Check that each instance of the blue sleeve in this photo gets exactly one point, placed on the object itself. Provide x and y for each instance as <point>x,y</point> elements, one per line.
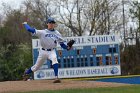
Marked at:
<point>28,28</point>
<point>63,45</point>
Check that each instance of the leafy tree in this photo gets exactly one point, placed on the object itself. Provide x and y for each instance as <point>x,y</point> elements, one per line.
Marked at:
<point>14,60</point>
<point>15,46</point>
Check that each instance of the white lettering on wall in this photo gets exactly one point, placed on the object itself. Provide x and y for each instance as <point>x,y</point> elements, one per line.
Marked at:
<point>86,40</point>
<point>80,72</point>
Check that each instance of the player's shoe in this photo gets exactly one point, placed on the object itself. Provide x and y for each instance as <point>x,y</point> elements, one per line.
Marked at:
<point>25,76</point>
<point>57,81</point>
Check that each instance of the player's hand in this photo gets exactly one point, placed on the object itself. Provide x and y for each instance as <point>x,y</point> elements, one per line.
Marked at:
<point>70,44</point>
<point>68,48</point>
<point>24,23</point>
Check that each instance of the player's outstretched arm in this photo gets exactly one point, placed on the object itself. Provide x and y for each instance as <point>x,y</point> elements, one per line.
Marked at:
<point>28,28</point>
<point>63,45</point>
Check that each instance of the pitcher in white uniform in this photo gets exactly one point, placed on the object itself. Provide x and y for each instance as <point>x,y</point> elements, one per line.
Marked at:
<point>48,39</point>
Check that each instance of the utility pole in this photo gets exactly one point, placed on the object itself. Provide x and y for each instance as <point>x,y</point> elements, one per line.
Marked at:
<point>124,30</point>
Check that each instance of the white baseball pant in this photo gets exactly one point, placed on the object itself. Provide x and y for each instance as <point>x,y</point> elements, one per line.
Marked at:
<point>42,57</point>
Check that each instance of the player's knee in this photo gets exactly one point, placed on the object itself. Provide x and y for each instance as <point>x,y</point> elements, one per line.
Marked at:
<point>35,68</point>
<point>54,61</point>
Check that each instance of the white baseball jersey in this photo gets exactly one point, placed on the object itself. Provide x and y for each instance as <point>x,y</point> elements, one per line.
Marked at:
<point>49,39</point>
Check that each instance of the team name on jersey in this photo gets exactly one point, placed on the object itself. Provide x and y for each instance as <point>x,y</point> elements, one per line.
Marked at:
<point>51,35</point>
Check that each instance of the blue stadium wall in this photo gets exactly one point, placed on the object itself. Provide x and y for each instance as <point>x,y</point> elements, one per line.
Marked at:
<point>90,56</point>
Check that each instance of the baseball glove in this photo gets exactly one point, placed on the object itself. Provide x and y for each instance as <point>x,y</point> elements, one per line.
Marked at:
<point>70,44</point>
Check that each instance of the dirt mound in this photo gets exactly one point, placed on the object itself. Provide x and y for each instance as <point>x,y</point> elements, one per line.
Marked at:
<point>37,85</point>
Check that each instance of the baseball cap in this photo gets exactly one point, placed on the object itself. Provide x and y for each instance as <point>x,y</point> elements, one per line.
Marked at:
<point>50,20</point>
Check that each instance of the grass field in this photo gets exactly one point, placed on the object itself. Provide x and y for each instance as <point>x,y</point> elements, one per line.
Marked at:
<point>124,89</point>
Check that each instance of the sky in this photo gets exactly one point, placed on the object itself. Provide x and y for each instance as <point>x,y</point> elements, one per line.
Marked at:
<point>13,3</point>
<point>16,3</point>
<point>19,1</point>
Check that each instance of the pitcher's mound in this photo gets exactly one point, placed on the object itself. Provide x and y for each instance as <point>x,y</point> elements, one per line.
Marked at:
<point>37,85</point>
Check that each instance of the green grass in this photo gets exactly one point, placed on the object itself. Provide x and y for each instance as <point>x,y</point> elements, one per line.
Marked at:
<point>124,89</point>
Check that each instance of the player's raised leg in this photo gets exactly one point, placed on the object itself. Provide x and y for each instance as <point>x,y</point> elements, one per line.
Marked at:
<point>40,60</point>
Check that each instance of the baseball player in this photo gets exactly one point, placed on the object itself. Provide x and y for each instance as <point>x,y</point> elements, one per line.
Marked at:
<point>48,39</point>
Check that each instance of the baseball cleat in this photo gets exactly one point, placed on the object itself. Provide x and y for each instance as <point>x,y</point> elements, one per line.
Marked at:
<point>25,77</point>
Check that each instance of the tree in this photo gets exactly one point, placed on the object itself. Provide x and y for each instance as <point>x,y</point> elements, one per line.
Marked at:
<point>13,61</point>
<point>131,55</point>
<point>78,16</point>
<point>37,11</point>
<point>15,46</point>
<point>135,11</point>
<point>94,16</point>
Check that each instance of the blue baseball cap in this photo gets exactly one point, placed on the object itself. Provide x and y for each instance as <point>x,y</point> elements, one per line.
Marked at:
<point>50,20</point>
